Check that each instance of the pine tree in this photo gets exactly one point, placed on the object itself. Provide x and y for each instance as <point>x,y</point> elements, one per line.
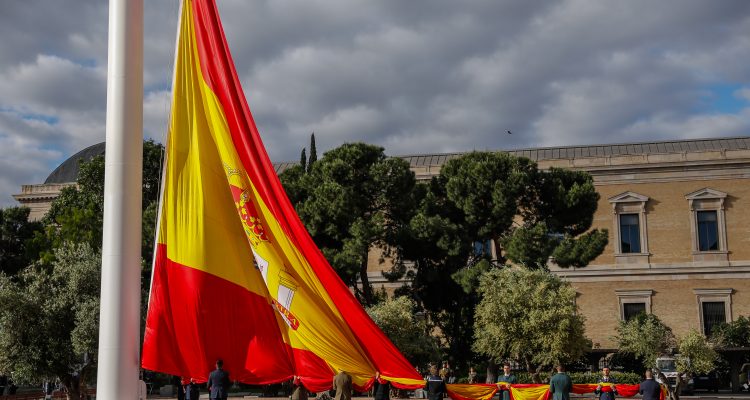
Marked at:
<point>303,160</point>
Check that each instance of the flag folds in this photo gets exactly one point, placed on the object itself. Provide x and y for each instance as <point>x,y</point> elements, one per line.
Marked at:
<point>236,275</point>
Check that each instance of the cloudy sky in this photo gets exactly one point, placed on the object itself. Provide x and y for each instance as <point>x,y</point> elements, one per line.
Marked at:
<point>412,76</point>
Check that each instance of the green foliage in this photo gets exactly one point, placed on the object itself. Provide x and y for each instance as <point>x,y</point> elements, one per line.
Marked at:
<point>528,214</point>
<point>697,355</point>
<point>530,246</point>
<point>529,316</point>
<point>732,334</point>
<point>351,200</point>
<point>17,247</point>
<point>629,378</point>
<point>49,318</point>
<point>580,251</point>
<point>313,152</point>
<point>396,317</point>
<point>303,160</point>
<point>645,337</point>
<point>77,214</point>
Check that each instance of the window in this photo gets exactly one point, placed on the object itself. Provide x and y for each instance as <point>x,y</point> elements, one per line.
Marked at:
<point>708,231</point>
<point>714,307</point>
<point>707,225</point>
<point>630,238</point>
<point>634,302</point>
<point>629,220</point>
<point>630,310</point>
<point>714,313</point>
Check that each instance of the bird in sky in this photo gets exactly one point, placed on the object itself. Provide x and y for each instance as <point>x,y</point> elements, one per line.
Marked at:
<point>509,132</point>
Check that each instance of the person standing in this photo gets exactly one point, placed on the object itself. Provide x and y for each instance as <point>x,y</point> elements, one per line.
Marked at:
<point>435,385</point>
<point>606,380</point>
<point>504,381</point>
<point>218,382</point>
<point>649,388</point>
<point>299,392</point>
<point>192,390</point>
<point>381,388</point>
<point>342,384</point>
<point>472,375</point>
<point>177,382</point>
<point>445,372</point>
<point>560,385</point>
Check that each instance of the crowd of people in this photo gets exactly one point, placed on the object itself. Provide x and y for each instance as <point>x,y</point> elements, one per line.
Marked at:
<point>560,385</point>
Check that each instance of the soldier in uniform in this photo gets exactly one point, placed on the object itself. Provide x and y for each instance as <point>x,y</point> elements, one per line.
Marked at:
<point>560,385</point>
<point>606,380</point>
<point>342,384</point>
<point>504,381</point>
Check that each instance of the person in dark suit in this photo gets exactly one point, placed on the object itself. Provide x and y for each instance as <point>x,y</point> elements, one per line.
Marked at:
<point>381,388</point>
<point>649,388</point>
<point>560,385</point>
<point>342,384</point>
<point>218,382</point>
<point>606,380</point>
<point>435,385</point>
<point>192,390</point>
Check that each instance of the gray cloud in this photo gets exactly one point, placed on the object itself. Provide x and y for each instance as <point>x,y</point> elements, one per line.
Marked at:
<point>411,76</point>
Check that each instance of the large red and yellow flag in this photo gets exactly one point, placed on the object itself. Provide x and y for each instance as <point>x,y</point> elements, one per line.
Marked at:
<point>236,275</point>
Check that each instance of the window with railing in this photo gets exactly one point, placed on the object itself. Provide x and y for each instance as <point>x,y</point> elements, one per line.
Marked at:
<point>630,310</point>
<point>714,313</point>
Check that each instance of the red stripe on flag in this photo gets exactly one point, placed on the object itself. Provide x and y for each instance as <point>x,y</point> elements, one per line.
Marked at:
<point>200,318</point>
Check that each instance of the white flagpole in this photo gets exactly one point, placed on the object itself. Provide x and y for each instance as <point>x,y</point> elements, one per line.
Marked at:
<point>119,317</point>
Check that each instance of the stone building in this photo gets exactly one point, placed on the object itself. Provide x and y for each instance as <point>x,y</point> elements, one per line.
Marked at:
<point>677,215</point>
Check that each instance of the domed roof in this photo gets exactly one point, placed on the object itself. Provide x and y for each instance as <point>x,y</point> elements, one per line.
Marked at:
<point>68,171</point>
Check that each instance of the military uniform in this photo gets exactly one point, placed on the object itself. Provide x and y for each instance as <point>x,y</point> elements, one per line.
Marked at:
<point>606,395</point>
<point>560,386</point>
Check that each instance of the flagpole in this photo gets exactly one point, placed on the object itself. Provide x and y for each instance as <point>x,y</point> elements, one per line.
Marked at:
<point>119,317</point>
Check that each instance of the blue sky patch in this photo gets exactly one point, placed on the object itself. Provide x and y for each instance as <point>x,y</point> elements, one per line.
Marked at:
<point>722,99</point>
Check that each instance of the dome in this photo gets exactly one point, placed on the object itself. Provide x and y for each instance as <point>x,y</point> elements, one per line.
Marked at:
<point>68,171</point>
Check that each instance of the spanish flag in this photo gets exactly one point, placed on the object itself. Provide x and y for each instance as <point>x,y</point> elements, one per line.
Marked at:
<point>236,276</point>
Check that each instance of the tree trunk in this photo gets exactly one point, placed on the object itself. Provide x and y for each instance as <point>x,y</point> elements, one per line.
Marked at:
<point>678,387</point>
<point>533,371</point>
<point>491,372</point>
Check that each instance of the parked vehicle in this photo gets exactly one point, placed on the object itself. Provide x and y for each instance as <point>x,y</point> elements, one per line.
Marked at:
<point>667,365</point>
<point>709,382</point>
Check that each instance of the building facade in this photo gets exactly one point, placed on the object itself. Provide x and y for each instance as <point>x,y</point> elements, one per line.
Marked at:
<point>678,216</point>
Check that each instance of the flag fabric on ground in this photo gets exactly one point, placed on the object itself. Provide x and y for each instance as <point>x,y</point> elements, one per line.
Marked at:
<point>236,275</point>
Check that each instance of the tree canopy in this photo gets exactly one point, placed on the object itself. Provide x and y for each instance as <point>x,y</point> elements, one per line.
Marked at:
<point>398,319</point>
<point>645,337</point>
<point>351,200</point>
<point>486,210</point>
<point>49,322</point>
<point>17,247</point>
<point>530,316</point>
